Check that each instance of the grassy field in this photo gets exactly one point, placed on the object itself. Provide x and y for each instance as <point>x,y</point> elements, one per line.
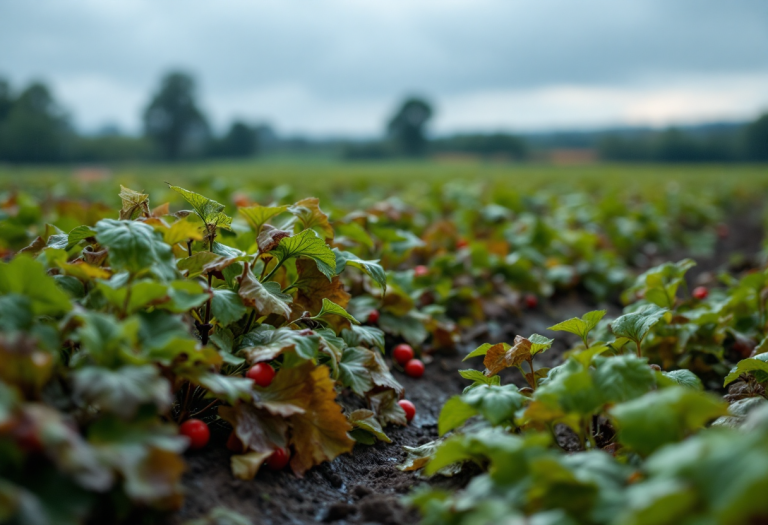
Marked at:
<point>351,182</point>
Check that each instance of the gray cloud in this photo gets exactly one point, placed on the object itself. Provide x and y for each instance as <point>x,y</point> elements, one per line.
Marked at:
<point>300,62</point>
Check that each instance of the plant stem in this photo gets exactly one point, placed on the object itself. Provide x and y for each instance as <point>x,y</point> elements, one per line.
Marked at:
<point>532,382</point>
<point>189,247</point>
<point>278,265</point>
<point>588,431</point>
<point>205,409</point>
<point>250,321</point>
<point>183,411</point>
<point>586,343</point>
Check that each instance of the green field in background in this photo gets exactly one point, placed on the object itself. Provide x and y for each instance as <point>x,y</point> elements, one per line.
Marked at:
<point>351,180</point>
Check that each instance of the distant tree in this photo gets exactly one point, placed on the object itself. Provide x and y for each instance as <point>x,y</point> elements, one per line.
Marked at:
<point>756,139</point>
<point>33,128</point>
<point>240,141</point>
<point>407,128</point>
<point>173,120</point>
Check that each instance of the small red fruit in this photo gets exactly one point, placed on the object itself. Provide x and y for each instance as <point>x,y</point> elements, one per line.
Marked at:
<point>420,271</point>
<point>197,432</point>
<point>234,444</point>
<point>261,373</point>
<point>531,301</point>
<point>279,459</point>
<point>408,408</point>
<point>700,293</point>
<point>414,368</point>
<point>461,243</point>
<point>373,317</point>
<point>241,200</point>
<point>402,353</point>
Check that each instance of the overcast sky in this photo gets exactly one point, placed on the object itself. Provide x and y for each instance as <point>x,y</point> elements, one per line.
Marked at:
<point>331,67</point>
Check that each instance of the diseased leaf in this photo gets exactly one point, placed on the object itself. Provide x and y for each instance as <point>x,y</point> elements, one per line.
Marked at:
<point>497,357</point>
<point>182,230</point>
<point>133,202</point>
<point>266,298</point>
<point>319,432</point>
<point>310,216</point>
<point>366,420</point>
<point>257,429</point>
<point>384,404</point>
<point>246,466</point>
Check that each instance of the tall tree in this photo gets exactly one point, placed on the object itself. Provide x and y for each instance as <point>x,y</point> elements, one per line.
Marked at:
<point>756,139</point>
<point>240,141</point>
<point>33,128</point>
<point>407,128</point>
<point>173,120</point>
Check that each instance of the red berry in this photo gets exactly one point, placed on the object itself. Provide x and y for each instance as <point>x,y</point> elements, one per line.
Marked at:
<point>261,373</point>
<point>461,243</point>
<point>531,301</point>
<point>402,353</point>
<point>722,231</point>
<point>409,408</point>
<point>420,271</point>
<point>279,459</point>
<point>234,444</point>
<point>197,432</point>
<point>373,317</point>
<point>700,293</point>
<point>414,368</point>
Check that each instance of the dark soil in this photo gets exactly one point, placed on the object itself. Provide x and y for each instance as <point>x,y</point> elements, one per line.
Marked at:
<point>365,486</point>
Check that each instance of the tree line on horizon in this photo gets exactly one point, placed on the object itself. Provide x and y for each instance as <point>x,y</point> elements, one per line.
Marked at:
<point>35,129</point>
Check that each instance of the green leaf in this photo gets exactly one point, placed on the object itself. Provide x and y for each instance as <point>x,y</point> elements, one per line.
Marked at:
<point>685,378</point>
<point>757,366</point>
<point>308,244</point>
<point>257,216</point>
<point>635,326</point>
<point>353,370</point>
<point>455,412</point>
<point>265,343</point>
<point>664,416</point>
<point>209,211</point>
<point>27,277</point>
<point>133,202</point>
<point>369,336</point>
<point>580,327</point>
<point>227,307</point>
<point>570,387</point>
<point>122,391</point>
<point>483,349</point>
<point>184,296</point>
<point>267,298</point>
<point>134,247</point>
<point>366,420</point>
<point>476,376</point>
<point>228,388</point>
<point>78,234</point>
<point>622,378</point>
<point>539,343</point>
<point>372,268</point>
<point>497,404</point>
<point>331,308</point>
<point>133,297</point>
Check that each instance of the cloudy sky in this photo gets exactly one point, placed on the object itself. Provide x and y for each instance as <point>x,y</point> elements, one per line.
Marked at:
<point>338,67</point>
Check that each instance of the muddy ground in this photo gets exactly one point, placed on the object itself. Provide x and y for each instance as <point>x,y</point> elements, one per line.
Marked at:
<point>365,486</point>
